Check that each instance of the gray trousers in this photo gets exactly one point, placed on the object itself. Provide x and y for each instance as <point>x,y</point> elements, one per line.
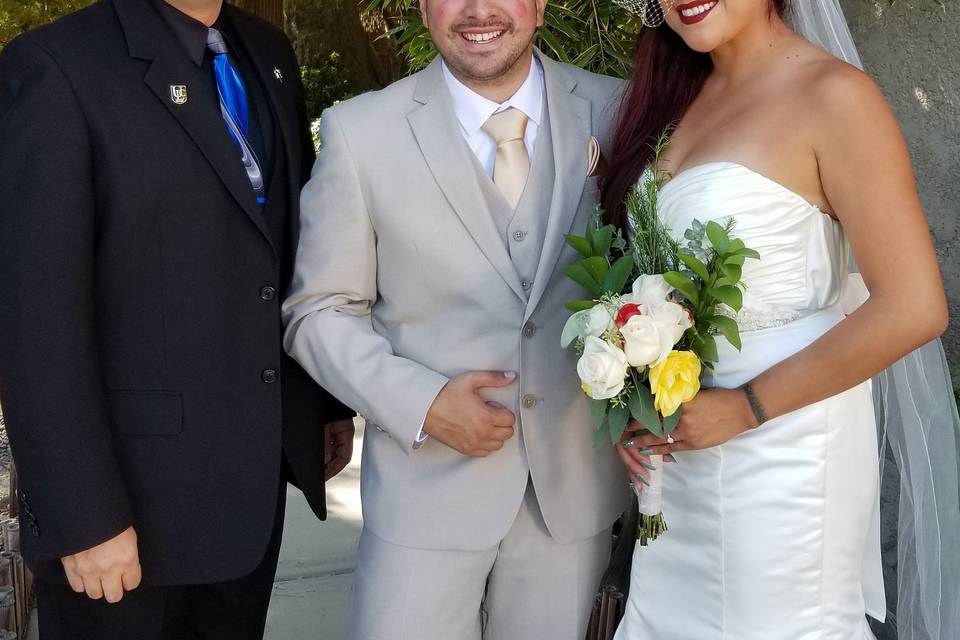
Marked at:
<point>528,586</point>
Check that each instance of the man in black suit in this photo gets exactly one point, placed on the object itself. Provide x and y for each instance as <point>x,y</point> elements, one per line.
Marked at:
<point>151,157</point>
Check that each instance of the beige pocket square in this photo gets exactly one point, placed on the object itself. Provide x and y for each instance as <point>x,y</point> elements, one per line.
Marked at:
<point>594,157</point>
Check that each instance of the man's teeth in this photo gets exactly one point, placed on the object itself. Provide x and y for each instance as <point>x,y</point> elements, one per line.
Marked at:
<point>482,37</point>
<point>703,8</point>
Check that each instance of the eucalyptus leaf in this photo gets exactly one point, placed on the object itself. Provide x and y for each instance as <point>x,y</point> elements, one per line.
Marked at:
<point>573,328</point>
<point>617,419</point>
<point>582,277</point>
<point>670,422</point>
<point>598,412</point>
<point>618,275</point>
<point>683,284</point>
<point>582,245</point>
<point>600,436</point>
<point>642,409</point>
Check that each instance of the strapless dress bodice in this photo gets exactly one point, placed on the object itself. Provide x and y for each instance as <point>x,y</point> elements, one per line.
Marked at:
<point>804,256</point>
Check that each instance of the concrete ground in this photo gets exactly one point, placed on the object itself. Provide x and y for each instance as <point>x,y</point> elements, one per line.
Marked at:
<point>313,591</point>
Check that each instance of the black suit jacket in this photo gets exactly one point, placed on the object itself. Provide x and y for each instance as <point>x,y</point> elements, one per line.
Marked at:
<point>141,368</point>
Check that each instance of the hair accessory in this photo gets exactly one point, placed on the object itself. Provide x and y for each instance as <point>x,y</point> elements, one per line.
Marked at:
<point>651,12</point>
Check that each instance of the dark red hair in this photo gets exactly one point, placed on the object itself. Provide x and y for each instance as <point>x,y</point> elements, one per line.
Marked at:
<point>667,76</point>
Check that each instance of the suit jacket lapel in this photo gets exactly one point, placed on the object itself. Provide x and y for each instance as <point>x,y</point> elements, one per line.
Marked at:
<point>147,39</point>
<point>449,158</point>
<point>570,118</point>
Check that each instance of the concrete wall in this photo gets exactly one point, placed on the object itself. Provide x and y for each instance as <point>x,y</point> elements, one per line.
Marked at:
<point>912,48</point>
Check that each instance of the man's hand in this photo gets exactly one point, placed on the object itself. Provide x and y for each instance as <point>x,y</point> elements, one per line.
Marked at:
<point>339,447</point>
<point>465,422</point>
<point>107,570</point>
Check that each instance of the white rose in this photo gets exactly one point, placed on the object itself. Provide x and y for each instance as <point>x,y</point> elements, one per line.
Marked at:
<point>599,321</point>
<point>650,290</point>
<point>642,341</point>
<point>672,321</point>
<point>602,369</point>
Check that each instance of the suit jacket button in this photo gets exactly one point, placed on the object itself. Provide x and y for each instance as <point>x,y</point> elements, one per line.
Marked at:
<point>268,293</point>
<point>34,530</point>
<point>529,401</point>
<point>529,330</point>
<point>269,376</point>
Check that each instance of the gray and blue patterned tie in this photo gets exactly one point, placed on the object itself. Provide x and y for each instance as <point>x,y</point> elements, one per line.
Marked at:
<point>235,110</point>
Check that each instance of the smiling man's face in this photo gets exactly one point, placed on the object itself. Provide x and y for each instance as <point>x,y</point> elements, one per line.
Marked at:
<point>484,41</point>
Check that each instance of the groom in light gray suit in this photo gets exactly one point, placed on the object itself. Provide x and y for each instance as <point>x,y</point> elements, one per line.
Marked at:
<point>428,295</point>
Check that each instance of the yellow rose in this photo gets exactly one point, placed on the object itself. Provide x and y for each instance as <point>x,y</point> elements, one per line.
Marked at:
<point>675,380</point>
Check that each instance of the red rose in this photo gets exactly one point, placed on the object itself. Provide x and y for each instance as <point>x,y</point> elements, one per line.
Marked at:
<point>626,312</point>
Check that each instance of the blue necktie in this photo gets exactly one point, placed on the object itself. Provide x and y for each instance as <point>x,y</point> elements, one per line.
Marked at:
<point>234,109</point>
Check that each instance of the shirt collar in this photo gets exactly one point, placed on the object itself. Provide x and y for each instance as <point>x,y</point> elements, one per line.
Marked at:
<point>473,110</point>
<point>190,32</point>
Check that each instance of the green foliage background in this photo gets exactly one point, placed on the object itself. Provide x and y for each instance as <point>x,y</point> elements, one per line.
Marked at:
<point>18,16</point>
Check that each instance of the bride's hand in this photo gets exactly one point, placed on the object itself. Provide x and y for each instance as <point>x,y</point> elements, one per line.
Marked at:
<point>710,419</point>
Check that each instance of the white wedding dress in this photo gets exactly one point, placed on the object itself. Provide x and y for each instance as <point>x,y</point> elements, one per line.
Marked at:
<point>774,534</point>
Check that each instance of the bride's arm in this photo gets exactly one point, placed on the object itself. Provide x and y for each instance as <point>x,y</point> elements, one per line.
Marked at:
<point>867,177</point>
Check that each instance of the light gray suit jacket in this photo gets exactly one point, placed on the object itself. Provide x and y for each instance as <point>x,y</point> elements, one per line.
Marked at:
<point>402,282</point>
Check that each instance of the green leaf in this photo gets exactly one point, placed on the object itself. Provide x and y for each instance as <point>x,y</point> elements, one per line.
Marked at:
<point>749,253</point>
<point>598,412</point>
<point>602,239</point>
<point>670,422</point>
<point>582,245</point>
<point>736,244</point>
<point>693,263</point>
<point>728,295</point>
<point>683,284</point>
<point>718,237</point>
<point>580,305</point>
<point>705,346</point>
<point>728,328</point>
<point>597,267</point>
<point>618,275</point>
<point>733,272</point>
<point>734,259</point>
<point>617,419</point>
<point>582,277</point>
<point>642,409</point>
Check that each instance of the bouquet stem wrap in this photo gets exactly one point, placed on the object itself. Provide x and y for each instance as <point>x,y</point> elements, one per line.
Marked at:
<point>650,501</point>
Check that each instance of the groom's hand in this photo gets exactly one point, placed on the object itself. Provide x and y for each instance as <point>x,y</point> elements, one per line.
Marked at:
<point>107,570</point>
<point>464,421</point>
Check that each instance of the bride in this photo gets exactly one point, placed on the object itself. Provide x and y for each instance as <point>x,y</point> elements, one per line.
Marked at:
<point>773,502</point>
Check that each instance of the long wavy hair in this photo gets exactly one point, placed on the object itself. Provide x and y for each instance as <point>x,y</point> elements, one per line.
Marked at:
<point>667,77</point>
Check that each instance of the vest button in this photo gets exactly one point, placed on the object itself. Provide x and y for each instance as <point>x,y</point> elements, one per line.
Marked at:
<point>526,284</point>
<point>529,401</point>
<point>519,235</point>
<point>529,330</point>
<point>269,376</point>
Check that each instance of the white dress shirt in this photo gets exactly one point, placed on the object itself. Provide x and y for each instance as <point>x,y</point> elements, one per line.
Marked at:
<point>473,110</point>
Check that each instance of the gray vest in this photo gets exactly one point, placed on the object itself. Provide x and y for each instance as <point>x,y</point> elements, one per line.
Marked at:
<point>524,229</point>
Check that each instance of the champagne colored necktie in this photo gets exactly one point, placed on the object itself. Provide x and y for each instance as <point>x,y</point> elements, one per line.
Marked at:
<point>234,109</point>
<point>512,165</point>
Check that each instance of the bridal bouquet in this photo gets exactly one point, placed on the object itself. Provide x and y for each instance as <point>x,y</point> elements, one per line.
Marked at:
<point>649,328</point>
